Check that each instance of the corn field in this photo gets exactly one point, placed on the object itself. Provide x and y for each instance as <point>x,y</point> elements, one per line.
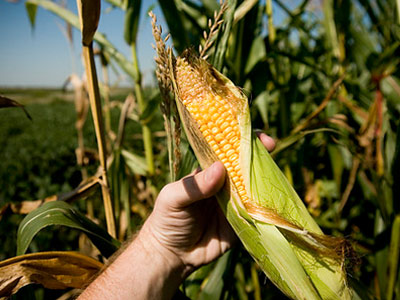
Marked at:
<point>320,77</point>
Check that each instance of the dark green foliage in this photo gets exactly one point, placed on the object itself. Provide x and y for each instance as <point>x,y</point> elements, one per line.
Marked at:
<point>38,158</point>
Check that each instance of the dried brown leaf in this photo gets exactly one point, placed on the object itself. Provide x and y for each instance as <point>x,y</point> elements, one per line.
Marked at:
<point>89,15</point>
<point>53,270</point>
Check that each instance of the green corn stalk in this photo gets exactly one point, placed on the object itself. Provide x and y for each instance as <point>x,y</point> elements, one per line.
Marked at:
<point>274,226</point>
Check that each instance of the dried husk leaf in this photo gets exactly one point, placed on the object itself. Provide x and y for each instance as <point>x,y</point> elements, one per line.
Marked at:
<point>53,270</point>
<point>275,227</point>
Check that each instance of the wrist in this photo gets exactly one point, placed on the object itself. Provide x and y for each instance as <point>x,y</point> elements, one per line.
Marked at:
<point>142,271</point>
<point>173,268</point>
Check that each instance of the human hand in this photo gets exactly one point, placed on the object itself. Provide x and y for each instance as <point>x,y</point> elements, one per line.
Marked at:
<point>187,225</point>
<point>185,230</point>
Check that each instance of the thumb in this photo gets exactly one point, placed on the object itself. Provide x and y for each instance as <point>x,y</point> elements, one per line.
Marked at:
<point>197,187</point>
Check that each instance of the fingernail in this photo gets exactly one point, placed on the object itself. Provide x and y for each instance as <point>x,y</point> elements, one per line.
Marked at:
<point>267,139</point>
<point>210,172</point>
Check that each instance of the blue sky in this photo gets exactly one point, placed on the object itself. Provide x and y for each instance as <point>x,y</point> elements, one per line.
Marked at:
<point>44,58</point>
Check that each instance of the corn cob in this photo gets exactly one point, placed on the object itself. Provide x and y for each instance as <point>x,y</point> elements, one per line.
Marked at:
<point>217,122</point>
<point>262,207</point>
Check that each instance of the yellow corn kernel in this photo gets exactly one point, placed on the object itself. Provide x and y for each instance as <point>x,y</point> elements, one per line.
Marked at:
<point>234,157</point>
<point>219,137</point>
<point>224,160</point>
<point>226,147</point>
<point>208,138</point>
<point>215,130</point>
<point>212,110</point>
<point>223,143</point>
<point>230,152</point>
<point>215,116</point>
<point>224,125</point>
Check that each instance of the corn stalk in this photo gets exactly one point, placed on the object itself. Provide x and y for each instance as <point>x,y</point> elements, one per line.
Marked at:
<point>89,13</point>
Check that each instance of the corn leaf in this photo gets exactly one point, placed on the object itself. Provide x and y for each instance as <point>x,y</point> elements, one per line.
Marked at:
<point>53,270</point>
<point>176,24</point>
<point>219,277</point>
<point>137,164</point>
<point>61,213</point>
<point>393,259</point>
<point>132,17</point>
<point>192,285</point>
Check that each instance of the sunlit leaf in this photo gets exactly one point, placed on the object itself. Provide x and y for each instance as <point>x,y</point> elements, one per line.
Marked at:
<point>393,259</point>
<point>257,53</point>
<point>218,277</point>
<point>53,270</point>
<point>194,282</point>
<point>243,9</point>
<point>261,102</point>
<point>137,164</point>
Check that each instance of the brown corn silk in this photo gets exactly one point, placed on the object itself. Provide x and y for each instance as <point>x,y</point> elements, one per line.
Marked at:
<point>285,241</point>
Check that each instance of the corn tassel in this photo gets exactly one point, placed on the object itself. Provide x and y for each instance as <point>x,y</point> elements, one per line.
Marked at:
<point>258,201</point>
